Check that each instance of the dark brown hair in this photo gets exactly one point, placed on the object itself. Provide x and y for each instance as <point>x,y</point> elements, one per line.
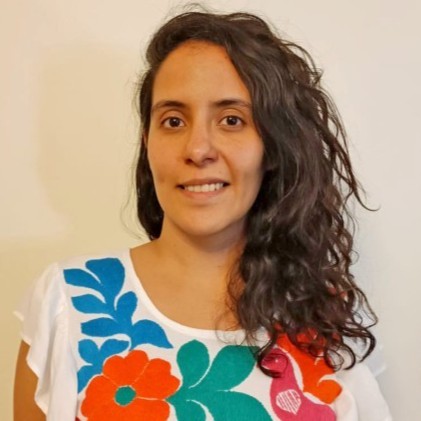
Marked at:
<point>295,267</point>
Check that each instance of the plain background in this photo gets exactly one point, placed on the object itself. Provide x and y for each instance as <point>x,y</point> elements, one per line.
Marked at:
<point>68,140</point>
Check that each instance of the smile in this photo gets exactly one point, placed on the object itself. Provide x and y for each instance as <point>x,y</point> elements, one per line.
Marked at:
<point>204,188</point>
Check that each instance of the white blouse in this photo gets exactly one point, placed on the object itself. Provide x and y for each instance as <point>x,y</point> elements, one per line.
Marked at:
<point>102,351</point>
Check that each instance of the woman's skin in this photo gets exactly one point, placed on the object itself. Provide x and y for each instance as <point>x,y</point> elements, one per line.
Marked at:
<point>202,133</point>
<point>24,406</point>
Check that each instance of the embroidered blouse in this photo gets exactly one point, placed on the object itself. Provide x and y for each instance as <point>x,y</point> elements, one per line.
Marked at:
<point>102,351</point>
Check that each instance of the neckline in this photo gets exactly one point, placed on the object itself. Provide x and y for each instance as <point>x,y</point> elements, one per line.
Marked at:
<point>162,318</point>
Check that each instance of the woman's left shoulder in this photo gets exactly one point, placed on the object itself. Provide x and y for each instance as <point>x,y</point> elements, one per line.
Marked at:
<point>361,398</point>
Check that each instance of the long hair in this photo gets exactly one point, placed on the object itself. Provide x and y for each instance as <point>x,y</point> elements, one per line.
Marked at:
<point>295,267</point>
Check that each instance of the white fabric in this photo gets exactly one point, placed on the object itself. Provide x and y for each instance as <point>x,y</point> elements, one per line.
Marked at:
<point>361,388</point>
<point>43,312</point>
<point>47,328</point>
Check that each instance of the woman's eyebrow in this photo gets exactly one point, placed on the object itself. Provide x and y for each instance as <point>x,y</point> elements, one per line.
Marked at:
<point>167,103</point>
<point>225,102</point>
<point>230,102</point>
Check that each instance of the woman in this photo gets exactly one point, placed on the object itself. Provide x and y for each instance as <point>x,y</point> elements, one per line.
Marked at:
<point>242,306</point>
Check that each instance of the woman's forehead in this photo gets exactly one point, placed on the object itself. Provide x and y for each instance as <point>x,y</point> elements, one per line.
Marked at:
<point>198,70</point>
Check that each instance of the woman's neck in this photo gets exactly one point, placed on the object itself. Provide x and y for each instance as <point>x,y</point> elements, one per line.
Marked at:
<point>210,258</point>
<point>187,277</point>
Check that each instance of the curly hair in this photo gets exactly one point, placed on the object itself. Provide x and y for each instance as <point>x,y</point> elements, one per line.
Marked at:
<point>294,270</point>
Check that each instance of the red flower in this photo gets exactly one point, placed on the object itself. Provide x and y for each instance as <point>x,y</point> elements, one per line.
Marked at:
<point>130,388</point>
<point>313,371</point>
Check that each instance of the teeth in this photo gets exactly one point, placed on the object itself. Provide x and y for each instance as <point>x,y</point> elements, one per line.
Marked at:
<point>204,187</point>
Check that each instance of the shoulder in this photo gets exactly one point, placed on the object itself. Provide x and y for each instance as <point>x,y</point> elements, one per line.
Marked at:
<point>102,274</point>
<point>49,293</point>
<point>84,270</point>
<point>362,394</point>
<point>85,260</point>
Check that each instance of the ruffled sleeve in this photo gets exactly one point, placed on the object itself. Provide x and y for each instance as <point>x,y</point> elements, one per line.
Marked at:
<point>44,315</point>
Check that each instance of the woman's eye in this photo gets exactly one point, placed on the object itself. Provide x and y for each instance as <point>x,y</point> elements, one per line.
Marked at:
<point>232,120</point>
<point>173,122</point>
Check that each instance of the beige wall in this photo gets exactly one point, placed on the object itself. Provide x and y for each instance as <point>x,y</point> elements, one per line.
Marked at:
<point>68,136</point>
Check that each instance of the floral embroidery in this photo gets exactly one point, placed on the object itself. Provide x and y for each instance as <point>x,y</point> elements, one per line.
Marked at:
<point>135,387</point>
<point>287,398</point>
<point>130,388</point>
<point>210,385</point>
<point>313,371</point>
<point>105,278</point>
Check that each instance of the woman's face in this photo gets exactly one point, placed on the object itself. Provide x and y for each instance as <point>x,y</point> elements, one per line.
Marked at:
<point>203,148</point>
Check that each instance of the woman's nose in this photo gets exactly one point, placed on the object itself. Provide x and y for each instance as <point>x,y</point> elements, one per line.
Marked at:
<point>200,145</point>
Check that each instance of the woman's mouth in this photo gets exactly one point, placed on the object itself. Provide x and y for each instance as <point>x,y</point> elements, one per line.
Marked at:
<point>204,188</point>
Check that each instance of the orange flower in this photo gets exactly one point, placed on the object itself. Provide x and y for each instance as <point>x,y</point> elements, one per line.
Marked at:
<point>130,388</point>
<point>313,371</point>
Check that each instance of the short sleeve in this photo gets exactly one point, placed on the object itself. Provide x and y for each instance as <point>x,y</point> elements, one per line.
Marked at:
<point>361,398</point>
<point>44,316</point>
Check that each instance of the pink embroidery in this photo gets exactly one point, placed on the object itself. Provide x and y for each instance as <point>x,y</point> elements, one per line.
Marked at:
<point>314,371</point>
<point>288,400</point>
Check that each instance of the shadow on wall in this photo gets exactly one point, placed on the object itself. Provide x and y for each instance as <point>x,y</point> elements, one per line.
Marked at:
<point>86,143</point>
<point>85,149</point>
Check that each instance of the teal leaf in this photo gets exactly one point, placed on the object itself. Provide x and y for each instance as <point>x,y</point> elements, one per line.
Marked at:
<point>110,273</point>
<point>148,332</point>
<point>81,278</point>
<point>188,410</point>
<point>234,406</point>
<point>231,366</point>
<point>88,350</point>
<point>89,304</point>
<point>126,306</point>
<point>112,347</point>
<point>85,374</point>
<point>193,362</point>
<point>209,387</point>
<point>100,327</point>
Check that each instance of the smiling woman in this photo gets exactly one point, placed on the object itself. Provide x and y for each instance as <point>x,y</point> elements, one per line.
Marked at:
<point>242,306</point>
<point>204,150</point>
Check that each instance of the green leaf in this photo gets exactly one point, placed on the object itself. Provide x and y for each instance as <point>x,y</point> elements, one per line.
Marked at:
<point>188,410</point>
<point>234,406</point>
<point>193,361</point>
<point>231,366</point>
